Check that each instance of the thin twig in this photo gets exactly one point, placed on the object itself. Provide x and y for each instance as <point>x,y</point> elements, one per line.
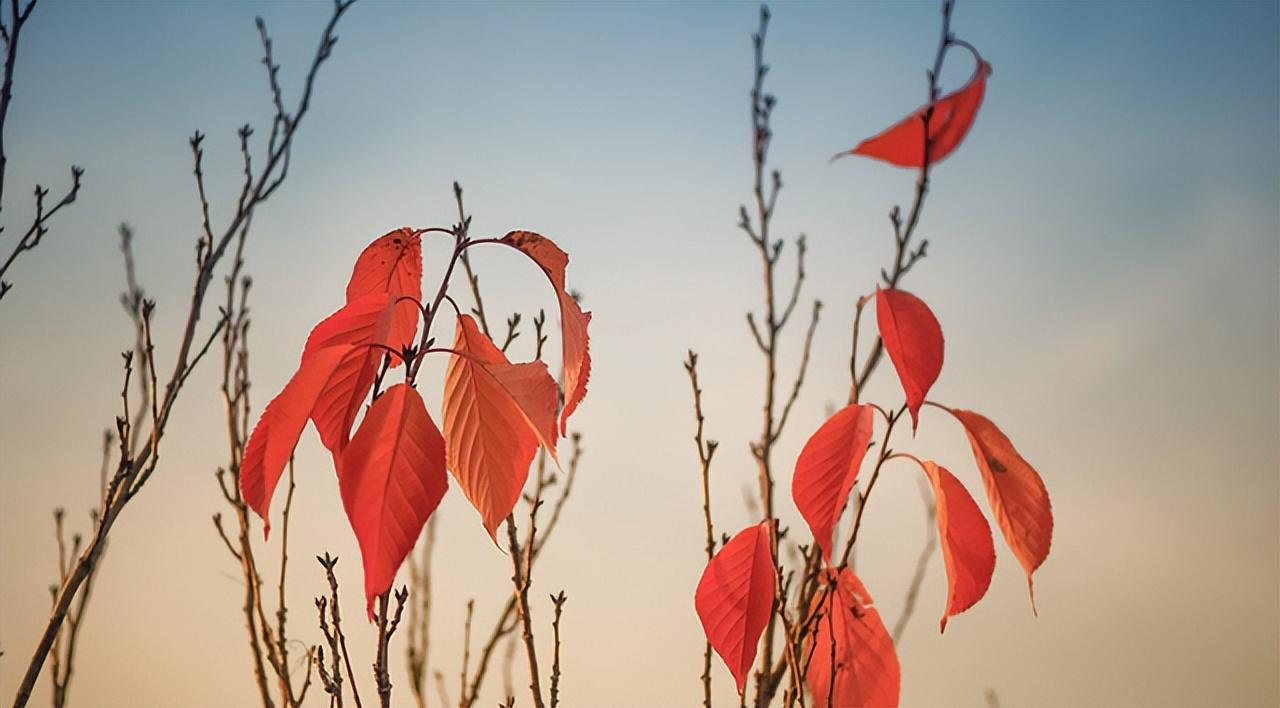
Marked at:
<point>558,600</point>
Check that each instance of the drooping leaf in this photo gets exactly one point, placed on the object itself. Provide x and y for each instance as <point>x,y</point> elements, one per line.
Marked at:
<point>865,663</point>
<point>913,338</point>
<point>392,264</point>
<point>495,415</point>
<point>276,434</point>
<point>827,468</point>
<point>965,537</point>
<point>393,478</point>
<point>573,321</point>
<point>362,323</point>
<point>735,598</point>
<point>1015,491</point>
<point>902,144</point>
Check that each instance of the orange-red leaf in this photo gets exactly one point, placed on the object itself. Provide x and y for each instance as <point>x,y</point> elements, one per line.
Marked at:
<point>902,144</point>
<point>735,598</point>
<point>866,665</point>
<point>1015,491</point>
<point>827,468</point>
<point>965,537</point>
<point>573,321</point>
<point>392,480</point>
<point>495,414</point>
<point>392,264</point>
<point>281,424</point>
<point>362,323</point>
<point>913,338</point>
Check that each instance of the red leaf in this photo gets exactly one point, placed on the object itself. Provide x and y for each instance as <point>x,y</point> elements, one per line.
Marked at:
<point>903,143</point>
<point>866,664</point>
<point>392,481</point>
<point>392,264</point>
<point>913,338</point>
<point>965,537</point>
<point>495,414</point>
<point>363,322</point>
<point>827,468</point>
<point>573,321</point>
<point>281,424</point>
<point>735,598</point>
<point>1015,491</point>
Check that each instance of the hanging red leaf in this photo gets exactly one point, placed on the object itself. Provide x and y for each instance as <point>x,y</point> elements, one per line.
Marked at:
<point>495,415</point>
<point>392,264</point>
<point>573,321</point>
<point>902,144</point>
<point>965,537</point>
<point>277,432</point>
<point>865,663</point>
<point>363,323</point>
<point>735,598</point>
<point>1015,491</point>
<point>913,338</point>
<point>827,468</point>
<point>392,480</point>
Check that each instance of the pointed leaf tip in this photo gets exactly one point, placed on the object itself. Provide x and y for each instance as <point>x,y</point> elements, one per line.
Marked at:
<point>735,596</point>
<point>393,478</point>
<point>903,143</point>
<point>495,415</point>
<point>967,549</point>
<point>913,339</point>
<point>827,468</point>
<point>1015,492</point>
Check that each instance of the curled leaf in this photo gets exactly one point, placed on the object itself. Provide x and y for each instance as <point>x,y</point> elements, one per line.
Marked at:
<point>827,468</point>
<point>965,537</point>
<point>735,598</point>
<point>495,415</point>
<point>573,321</point>
<point>392,264</point>
<point>1016,493</point>
<point>913,338</point>
<point>392,480</point>
<point>903,143</point>
<point>849,630</point>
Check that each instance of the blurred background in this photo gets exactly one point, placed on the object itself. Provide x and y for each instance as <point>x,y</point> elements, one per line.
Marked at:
<point>1104,258</point>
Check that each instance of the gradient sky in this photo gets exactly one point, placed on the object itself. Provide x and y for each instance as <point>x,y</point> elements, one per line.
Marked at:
<point>1105,260</point>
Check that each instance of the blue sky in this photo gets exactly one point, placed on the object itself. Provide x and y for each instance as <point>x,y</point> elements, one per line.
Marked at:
<point>1104,258</point>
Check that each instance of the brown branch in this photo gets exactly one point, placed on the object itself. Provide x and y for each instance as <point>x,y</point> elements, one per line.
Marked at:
<point>137,464</point>
<point>387,624</point>
<point>706,450</point>
<point>558,600</point>
<point>520,580</point>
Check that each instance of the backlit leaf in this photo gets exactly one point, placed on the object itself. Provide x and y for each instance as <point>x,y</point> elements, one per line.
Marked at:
<point>1015,491</point>
<point>827,468</point>
<point>965,537</point>
<point>735,598</point>
<point>573,321</point>
<point>913,338</point>
<point>865,663</point>
<point>495,415</point>
<point>392,264</point>
<point>362,323</point>
<point>902,144</point>
<point>393,478</point>
<point>277,432</point>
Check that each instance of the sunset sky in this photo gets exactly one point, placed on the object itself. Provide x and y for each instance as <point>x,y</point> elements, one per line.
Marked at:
<point>1104,259</point>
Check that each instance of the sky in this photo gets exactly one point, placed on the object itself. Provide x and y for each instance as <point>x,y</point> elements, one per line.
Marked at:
<point>1104,259</point>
